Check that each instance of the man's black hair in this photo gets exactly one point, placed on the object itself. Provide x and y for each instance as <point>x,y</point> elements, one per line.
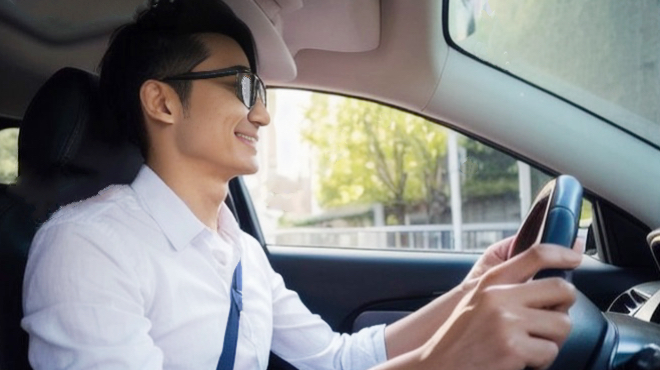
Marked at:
<point>162,41</point>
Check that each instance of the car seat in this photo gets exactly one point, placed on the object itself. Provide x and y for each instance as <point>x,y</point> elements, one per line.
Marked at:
<point>67,152</point>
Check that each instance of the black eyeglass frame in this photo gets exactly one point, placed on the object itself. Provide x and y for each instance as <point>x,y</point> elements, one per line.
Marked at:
<point>224,72</point>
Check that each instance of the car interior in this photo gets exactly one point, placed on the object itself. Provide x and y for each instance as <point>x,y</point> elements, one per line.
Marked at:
<point>394,52</point>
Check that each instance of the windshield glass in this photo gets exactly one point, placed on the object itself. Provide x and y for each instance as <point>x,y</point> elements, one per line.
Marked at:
<point>603,55</point>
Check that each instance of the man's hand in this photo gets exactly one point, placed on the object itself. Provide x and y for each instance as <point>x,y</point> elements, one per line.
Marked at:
<point>495,307</point>
<point>507,321</point>
<point>498,252</point>
<point>492,256</point>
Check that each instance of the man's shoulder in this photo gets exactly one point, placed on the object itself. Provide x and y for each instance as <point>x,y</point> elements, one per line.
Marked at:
<point>112,202</point>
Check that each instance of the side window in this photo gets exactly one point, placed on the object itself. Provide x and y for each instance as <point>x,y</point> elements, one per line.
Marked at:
<point>8,155</point>
<point>342,172</point>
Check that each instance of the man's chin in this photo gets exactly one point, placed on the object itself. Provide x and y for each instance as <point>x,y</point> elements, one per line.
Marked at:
<point>248,170</point>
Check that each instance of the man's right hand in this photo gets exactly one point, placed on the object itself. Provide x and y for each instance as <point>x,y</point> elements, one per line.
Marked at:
<point>506,321</point>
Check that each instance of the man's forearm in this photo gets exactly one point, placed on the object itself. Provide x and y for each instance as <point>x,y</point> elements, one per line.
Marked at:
<point>501,319</point>
<point>417,328</point>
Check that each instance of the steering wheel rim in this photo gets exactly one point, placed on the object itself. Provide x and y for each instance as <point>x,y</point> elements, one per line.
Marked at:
<point>553,218</point>
<point>591,340</point>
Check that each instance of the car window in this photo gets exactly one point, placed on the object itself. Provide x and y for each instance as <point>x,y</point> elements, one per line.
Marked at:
<point>343,172</point>
<point>600,54</point>
<point>8,155</point>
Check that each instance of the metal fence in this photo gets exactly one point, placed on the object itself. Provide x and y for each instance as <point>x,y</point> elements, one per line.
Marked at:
<point>476,237</point>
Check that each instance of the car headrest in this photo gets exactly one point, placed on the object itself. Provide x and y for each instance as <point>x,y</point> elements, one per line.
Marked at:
<point>68,148</point>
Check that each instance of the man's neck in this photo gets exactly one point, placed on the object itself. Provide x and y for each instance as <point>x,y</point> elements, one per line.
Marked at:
<point>202,191</point>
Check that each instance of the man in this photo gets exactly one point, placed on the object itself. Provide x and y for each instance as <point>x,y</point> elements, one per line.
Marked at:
<point>139,277</point>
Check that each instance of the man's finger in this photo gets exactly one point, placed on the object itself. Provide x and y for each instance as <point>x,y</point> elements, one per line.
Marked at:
<point>552,294</point>
<point>546,324</point>
<point>527,264</point>
<point>539,353</point>
<point>502,248</point>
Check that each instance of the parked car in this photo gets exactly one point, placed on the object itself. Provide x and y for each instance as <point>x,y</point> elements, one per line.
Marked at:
<point>506,95</point>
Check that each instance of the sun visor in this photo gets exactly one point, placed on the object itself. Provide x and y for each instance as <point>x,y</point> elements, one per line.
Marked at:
<point>346,26</point>
<point>275,62</point>
<point>284,27</point>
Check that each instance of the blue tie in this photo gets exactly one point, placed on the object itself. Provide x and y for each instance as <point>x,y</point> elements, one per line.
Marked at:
<point>228,356</point>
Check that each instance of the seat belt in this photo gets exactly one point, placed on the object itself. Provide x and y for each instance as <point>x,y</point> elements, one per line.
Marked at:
<point>226,361</point>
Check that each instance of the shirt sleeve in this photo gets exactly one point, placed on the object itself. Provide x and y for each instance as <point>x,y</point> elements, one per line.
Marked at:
<point>82,302</point>
<point>307,342</point>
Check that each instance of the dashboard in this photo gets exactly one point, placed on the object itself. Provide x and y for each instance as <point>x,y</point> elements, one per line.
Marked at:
<point>635,317</point>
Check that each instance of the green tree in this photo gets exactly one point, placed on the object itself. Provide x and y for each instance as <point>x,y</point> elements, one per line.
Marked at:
<point>370,153</point>
<point>8,155</point>
<point>496,173</point>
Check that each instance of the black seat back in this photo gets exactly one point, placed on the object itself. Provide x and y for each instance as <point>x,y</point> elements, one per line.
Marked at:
<point>67,152</point>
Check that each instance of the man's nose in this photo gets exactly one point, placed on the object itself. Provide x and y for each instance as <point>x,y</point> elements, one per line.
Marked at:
<point>259,114</point>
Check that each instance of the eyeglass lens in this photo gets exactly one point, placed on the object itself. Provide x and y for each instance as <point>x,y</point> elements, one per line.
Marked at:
<point>251,89</point>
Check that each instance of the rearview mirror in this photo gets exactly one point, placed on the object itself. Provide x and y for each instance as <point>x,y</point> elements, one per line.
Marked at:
<point>463,15</point>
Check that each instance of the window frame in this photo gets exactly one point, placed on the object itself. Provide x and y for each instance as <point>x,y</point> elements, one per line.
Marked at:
<point>604,246</point>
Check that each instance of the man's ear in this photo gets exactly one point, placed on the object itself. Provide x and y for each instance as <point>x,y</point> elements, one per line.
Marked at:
<point>160,102</point>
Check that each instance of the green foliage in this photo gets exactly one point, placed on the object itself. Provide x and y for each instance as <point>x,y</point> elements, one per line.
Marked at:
<point>8,155</point>
<point>497,173</point>
<point>371,153</point>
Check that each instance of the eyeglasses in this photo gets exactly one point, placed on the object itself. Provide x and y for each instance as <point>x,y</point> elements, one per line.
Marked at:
<point>249,86</point>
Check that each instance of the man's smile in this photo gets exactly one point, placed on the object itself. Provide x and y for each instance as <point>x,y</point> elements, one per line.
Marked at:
<point>247,139</point>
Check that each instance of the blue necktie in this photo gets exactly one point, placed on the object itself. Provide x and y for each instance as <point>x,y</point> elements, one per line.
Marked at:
<point>228,356</point>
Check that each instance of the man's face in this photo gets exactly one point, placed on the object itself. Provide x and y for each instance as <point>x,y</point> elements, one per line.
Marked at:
<point>218,133</point>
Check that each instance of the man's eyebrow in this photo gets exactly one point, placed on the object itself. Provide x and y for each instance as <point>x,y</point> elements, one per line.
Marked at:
<point>238,67</point>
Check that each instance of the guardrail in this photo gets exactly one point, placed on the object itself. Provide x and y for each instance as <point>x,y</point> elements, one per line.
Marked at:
<point>476,237</point>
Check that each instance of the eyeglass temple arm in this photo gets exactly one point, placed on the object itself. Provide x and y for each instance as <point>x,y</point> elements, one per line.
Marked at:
<point>206,74</point>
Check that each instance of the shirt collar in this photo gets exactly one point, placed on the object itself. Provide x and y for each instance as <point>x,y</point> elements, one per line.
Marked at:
<point>176,220</point>
<point>227,223</point>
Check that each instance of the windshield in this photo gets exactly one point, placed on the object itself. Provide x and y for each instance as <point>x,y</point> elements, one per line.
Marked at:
<point>603,55</point>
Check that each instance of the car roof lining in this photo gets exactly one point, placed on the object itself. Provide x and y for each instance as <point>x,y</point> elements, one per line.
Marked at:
<point>41,37</point>
<point>411,43</point>
<point>53,22</point>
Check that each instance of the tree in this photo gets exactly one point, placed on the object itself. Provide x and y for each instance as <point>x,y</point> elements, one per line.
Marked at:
<point>370,153</point>
<point>496,173</point>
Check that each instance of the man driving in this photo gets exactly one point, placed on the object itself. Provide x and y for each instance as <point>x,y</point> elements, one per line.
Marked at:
<point>144,276</point>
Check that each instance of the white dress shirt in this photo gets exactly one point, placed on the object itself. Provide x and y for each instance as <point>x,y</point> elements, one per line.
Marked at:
<point>131,279</point>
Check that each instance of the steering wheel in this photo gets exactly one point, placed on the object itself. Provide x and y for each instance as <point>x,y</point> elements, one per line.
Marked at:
<point>554,218</point>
